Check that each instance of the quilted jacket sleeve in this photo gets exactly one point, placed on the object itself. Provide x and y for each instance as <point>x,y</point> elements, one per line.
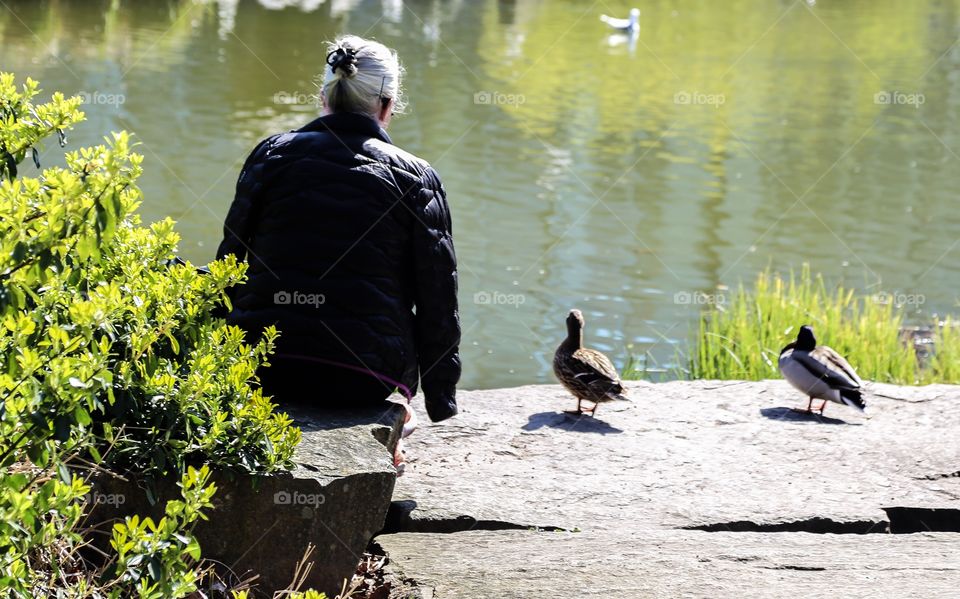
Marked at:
<point>238,226</point>
<point>438,318</point>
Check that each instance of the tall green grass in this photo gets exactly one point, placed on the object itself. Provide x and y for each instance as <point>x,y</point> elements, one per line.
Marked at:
<point>742,338</point>
<point>945,363</point>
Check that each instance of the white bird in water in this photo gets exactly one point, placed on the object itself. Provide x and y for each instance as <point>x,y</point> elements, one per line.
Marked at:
<point>628,25</point>
<point>820,372</point>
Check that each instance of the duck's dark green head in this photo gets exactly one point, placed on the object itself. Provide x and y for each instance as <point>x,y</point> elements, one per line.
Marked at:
<point>806,341</point>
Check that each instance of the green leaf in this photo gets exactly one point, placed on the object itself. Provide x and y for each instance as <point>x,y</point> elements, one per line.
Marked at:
<point>193,549</point>
<point>20,252</point>
<point>38,454</point>
<point>81,416</point>
<point>14,482</point>
<point>154,569</point>
<point>64,473</point>
<point>10,165</point>
<point>173,344</point>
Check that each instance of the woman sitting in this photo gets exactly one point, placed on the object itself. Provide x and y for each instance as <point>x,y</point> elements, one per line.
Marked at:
<point>350,252</point>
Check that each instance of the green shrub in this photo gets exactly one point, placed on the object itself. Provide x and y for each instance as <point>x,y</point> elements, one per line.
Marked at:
<point>294,595</point>
<point>157,559</point>
<point>110,358</point>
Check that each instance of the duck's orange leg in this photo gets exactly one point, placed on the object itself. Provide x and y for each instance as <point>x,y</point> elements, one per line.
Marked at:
<point>578,411</point>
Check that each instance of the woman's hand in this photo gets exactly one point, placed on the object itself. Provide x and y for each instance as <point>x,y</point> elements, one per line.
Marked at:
<point>442,407</point>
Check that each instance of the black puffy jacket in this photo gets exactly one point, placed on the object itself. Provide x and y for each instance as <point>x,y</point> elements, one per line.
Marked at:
<point>345,235</point>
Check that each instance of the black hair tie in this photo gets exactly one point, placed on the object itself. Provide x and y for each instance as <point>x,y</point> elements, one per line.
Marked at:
<point>344,59</point>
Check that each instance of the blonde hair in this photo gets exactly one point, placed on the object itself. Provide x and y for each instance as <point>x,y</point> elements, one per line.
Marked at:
<point>360,74</point>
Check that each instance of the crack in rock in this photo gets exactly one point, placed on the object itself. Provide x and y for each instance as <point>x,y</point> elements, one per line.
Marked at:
<point>908,399</point>
<point>905,520</point>
<point>399,519</point>
<point>940,476</point>
<point>900,520</point>
<point>812,525</point>
<point>468,523</point>
<point>393,584</point>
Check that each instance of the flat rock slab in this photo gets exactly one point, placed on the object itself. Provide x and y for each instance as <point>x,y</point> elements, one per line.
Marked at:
<point>685,454</point>
<point>338,443</point>
<point>624,565</point>
<point>335,500</point>
<point>682,458</point>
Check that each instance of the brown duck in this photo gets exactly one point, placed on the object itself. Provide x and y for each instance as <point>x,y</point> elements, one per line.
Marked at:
<point>586,373</point>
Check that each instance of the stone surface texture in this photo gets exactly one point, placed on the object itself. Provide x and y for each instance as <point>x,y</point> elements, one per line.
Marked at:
<point>699,489</point>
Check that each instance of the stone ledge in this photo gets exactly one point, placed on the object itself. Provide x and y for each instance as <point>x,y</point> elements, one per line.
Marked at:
<point>664,563</point>
<point>689,453</point>
<point>697,488</point>
<point>336,498</point>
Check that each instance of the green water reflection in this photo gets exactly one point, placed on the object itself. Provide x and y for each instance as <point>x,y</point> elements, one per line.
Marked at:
<point>627,177</point>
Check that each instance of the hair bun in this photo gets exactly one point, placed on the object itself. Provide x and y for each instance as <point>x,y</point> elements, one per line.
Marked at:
<point>343,59</point>
<point>359,76</point>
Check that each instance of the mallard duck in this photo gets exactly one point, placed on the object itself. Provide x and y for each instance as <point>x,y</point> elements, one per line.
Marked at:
<point>586,373</point>
<point>629,25</point>
<point>820,372</point>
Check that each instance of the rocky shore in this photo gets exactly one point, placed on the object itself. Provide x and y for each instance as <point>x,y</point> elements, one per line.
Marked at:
<point>699,489</point>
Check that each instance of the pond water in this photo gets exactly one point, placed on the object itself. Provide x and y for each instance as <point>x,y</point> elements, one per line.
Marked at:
<point>632,178</point>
